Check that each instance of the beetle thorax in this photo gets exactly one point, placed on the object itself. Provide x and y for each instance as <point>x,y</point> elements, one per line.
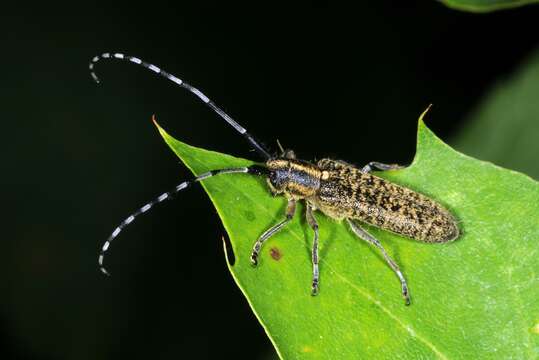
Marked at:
<point>296,178</point>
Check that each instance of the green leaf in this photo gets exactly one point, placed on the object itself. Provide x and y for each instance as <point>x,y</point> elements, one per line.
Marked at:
<point>485,5</point>
<point>505,125</point>
<point>473,298</point>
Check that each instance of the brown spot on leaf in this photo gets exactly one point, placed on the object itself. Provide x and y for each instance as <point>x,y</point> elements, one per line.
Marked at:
<point>275,254</point>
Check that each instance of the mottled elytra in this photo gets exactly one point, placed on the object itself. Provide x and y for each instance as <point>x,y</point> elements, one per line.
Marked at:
<point>335,188</point>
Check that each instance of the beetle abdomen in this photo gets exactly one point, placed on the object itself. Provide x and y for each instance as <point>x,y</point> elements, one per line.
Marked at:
<point>346,192</point>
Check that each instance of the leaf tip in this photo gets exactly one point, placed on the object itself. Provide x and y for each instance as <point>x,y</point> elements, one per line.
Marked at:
<point>422,116</point>
<point>169,140</point>
<point>425,137</point>
<point>422,130</point>
<point>159,128</point>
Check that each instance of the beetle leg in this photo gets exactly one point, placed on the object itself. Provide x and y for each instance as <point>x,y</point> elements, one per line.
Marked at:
<point>290,210</point>
<point>314,225</point>
<point>364,235</point>
<point>380,166</point>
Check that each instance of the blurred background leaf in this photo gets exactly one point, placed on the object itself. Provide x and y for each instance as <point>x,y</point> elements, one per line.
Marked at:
<point>504,127</point>
<point>480,287</point>
<point>486,5</point>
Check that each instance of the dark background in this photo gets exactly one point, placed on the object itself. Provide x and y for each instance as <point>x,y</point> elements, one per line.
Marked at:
<point>77,157</point>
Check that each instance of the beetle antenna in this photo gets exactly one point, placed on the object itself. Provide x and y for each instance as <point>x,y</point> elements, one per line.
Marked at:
<point>253,170</point>
<point>260,149</point>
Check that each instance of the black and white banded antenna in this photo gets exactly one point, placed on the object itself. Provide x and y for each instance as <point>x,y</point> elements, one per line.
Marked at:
<point>260,149</point>
<point>253,170</point>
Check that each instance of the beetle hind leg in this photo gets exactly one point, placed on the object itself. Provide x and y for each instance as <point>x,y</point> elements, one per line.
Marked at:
<point>364,235</point>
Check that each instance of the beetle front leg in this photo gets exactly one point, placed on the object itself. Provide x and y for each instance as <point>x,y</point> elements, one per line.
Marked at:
<point>290,210</point>
<point>380,166</point>
<point>314,225</point>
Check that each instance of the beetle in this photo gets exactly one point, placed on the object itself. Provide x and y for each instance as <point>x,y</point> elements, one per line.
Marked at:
<point>335,188</point>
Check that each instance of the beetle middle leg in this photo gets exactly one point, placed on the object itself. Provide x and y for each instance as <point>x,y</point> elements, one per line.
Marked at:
<point>314,225</point>
<point>364,235</point>
<point>380,166</point>
<point>290,210</point>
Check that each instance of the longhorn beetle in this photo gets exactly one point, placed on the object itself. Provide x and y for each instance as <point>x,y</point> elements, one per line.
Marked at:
<point>335,188</point>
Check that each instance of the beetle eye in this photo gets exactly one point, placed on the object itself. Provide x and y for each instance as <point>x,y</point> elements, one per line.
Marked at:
<point>272,176</point>
<point>277,179</point>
